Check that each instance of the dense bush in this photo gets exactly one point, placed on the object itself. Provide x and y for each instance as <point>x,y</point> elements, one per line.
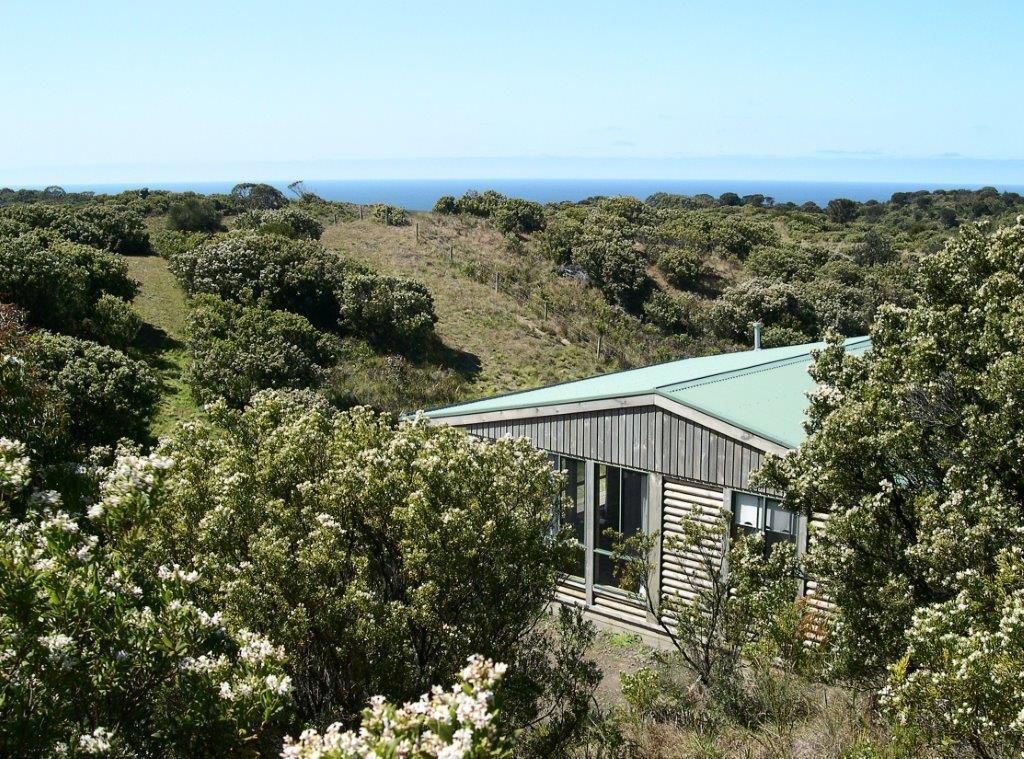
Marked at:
<point>380,555</point>
<point>390,216</point>
<point>111,228</point>
<point>683,267</point>
<point>194,214</point>
<point>167,243</point>
<point>103,652</point>
<point>446,205</point>
<point>482,204</point>
<point>389,311</point>
<point>113,322</point>
<point>916,454</point>
<point>289,275</point>
<point>775,304</point>
<point>669,313</point>
<point>107,395</point>
<point>60,285</point>
<point>288,222</point>
<point>514,216</point>
<point>259,197</point>
<point>235,350</point>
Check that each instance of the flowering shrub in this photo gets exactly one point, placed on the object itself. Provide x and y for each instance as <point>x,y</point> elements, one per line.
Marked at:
<point>457,723</point>
<point>384,551</point>
<point>287,221</point>
<point>289,275</point>
<point>63,286</point>
<point>113,228</point>
<point>235,350</point>
<point>99,653</point>
<point>106,395</point>
<point>917,453</point>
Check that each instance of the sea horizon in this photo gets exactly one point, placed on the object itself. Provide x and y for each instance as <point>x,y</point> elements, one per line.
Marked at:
<point>420,194</point>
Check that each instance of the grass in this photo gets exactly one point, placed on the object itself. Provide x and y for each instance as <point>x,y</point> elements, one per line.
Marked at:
<point>161,304</point>
<point>512,347</point>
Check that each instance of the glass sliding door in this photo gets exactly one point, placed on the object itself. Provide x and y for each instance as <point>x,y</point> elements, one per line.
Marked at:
<point>571,511</point>
<point>620,504</point>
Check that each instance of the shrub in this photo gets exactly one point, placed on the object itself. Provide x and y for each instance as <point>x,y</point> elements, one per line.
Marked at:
<point>479,204</point>
<point>287,222</point>
<point>445,205</point>
<point>459,722</point>
<point>669,313</point>
<point>58,284</point>
<point>514,216</point>
<point>390,216</point>
<point>388,311</point>
<point>105,653</point>
<point>290,275</point>
<point>775,304</point>
<point>114,322</point>
<point>259,197</point>
<point>613,265</point>
<point>168,243</point>
<point>28,412</point>
<point>683,267</point>
<point>370,548</point>
<point>194,214</point>
<point>915,453</point>
<point>108,396</point>
<point>841,210</point>
<point>111,228</point>
<point>235,350</point>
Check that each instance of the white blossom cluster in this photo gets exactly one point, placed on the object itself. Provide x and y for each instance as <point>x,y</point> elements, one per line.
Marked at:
<point>15,467</point>
<point>453,724</point>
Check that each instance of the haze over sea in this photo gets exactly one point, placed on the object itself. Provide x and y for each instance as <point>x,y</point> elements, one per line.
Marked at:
<point>420,194</point>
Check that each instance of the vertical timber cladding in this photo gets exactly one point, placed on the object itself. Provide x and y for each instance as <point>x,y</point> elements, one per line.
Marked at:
<point>643,437</point>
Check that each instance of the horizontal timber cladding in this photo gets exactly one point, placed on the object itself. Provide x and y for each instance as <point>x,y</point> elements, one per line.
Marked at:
<point>641,437</point>
<point>684,570</point>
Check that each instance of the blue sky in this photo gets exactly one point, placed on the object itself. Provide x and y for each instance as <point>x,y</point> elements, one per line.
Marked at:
<point>118,91</point>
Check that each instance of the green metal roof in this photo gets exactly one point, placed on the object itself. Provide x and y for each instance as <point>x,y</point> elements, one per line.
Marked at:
<point>761,391</point>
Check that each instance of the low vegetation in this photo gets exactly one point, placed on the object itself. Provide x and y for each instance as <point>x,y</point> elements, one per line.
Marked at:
<point>215,517</point>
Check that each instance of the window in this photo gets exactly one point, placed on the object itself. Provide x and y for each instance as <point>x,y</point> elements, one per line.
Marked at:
<point>620,502</point>
<point>571,511</point>
<point>755,514</point>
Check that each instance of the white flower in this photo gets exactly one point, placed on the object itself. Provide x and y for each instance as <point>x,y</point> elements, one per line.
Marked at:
<point>96,743</point>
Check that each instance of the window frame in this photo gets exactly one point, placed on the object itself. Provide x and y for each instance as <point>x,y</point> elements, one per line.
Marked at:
<point>644,525</point>
<point>556,460</point>
<point>799,525</point>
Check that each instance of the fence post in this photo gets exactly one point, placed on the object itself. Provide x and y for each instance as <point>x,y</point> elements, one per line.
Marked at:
<point>545,312</point>
<point>451,254</point>
<point>360,212</point>
<point>496,276</point>
<point>417,233</point>
<point>600,340</point>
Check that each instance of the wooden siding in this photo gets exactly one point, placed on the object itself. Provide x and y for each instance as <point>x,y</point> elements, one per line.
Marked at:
<point>682,571</point>
<point>644,437</point>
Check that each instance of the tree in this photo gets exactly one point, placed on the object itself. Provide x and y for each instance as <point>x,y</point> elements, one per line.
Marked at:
<point>916,453</point>
<point>841,210</point>
<point>729,199</point>
<point>259,197</point>
<point>194,214</point>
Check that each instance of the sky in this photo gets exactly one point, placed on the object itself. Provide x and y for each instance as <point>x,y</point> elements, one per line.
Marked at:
<point>187,91</point>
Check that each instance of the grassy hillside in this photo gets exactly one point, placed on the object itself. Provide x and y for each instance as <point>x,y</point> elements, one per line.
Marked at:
<point>501,336</point>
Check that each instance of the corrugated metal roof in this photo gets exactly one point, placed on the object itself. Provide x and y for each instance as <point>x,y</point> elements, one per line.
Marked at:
<point>763,391</point>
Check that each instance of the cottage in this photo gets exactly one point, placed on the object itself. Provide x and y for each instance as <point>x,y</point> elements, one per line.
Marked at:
<point>646,448</point>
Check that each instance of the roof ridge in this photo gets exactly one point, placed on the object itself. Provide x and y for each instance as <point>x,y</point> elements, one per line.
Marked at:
<point>728,374</point>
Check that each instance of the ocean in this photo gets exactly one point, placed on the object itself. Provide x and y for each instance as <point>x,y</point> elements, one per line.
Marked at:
<point>420,194</point>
